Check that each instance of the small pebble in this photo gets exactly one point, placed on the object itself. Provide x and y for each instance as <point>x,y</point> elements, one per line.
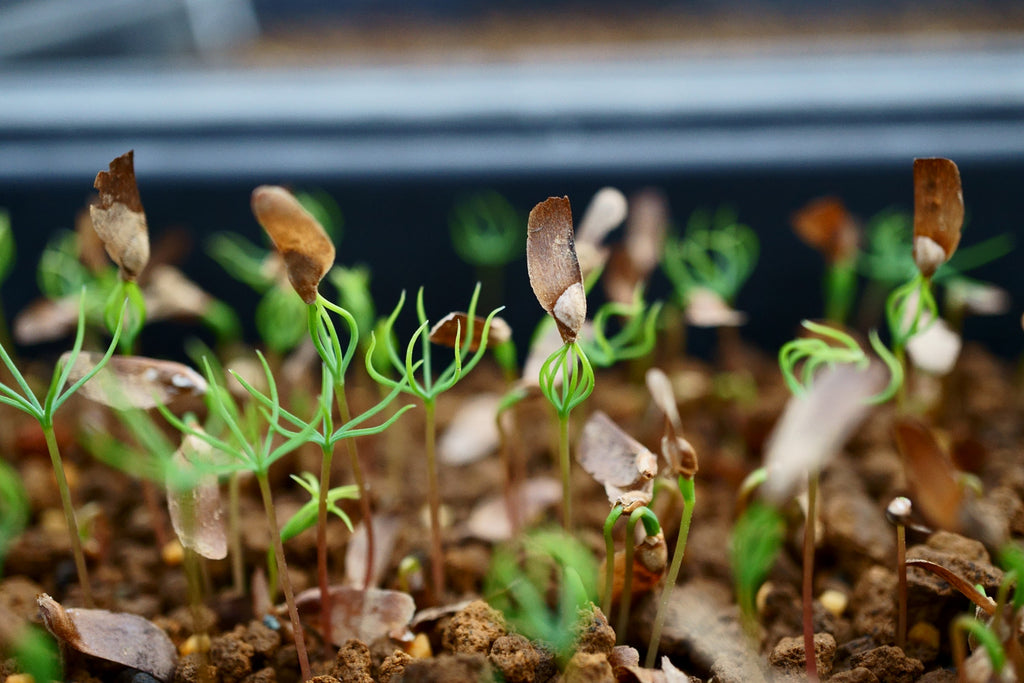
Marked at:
<point>271,622</point>
<point>834,601</point>
<point>419,648</point>
<point>172,553</point>
<point>195,643</point>
<point>20,678</point>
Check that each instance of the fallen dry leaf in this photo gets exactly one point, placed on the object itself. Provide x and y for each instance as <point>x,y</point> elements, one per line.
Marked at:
<point>118,217</point>
<point>826,225</point>
<point>938,212</point>
<point>814,427</point>
<point>930,474</point>
<point>706,308</point>
<point>385,532</point>
<point>615,459</point>
<point>135,381</point>
<point>489,519</point>
<point>443,333</point>
<point>554,270</point>
<point>307,251</point>
<point>196,513</point>
<point>125,639</point>
<point>473,432</point>
<point>365,615</point>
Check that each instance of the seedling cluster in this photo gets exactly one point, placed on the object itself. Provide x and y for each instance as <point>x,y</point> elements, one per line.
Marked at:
<point>329,371</point>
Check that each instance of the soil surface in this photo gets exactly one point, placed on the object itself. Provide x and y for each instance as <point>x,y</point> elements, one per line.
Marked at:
<point>727,411</point>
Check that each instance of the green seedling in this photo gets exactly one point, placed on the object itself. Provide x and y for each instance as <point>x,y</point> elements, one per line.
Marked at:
<point>353,286</point>
<point>43,412</point>
<point>717,253</point>
<point>965,625</point>
<point>7,257</point>
<point>756,541</point>
<point>306,516</point>
<point>428,389</point>
<point>13,509</point>
<point>249,450</point>
<point>519,584</point>
<point>486,233</point>
<point>686,488</point>
<point>635,337</point>
<point>826,225</point>
<point>652,529</point>
<point>566,380</point>
<point>817,352</point>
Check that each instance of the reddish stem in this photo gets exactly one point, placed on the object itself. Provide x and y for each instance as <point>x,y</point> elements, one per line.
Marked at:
<point>808,579</point>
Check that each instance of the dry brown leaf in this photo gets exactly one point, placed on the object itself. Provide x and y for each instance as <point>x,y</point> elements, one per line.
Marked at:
<point>135,381</point>
<point>45,320</point>
<point>815,426</point>
<point>615,459</point>
<point>938,212</point>
<point>385,532</point>
<point>489,519</point>
<point>826,225</point>
<point>307,251</point>
<point>125,639</point>
<point>365,615</point>
<point>443,333</point>
<point>706,308</point>
<point>554,270</point>
<point>118,217</point>
<point>196,513</point>
<point>473,432</point>
<point>930,474</point>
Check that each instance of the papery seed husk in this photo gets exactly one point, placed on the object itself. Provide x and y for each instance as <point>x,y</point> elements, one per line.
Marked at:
<point>930,474</point>
<point>118,217</point>
<point>444,331</point>
<point>706,308</point>
<point>366,615</point>
<point>826,225</point>
<point>938,206</point>
<point>606,211</point>
<point>196,512</point>
<point>660,388</point>
<point>615,459</point>
<point>553,267</point>
<point>135,381</point>
<point>645,231</point>
<point>307,251</point>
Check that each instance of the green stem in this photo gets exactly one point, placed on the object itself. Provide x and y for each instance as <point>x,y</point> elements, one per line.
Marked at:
<point>434,501</point>
<point>810,658</point>
<point>364,489</point>
<point>321,549</point>
<point>69,514</point>
<point>626,599</point>
<point>563,464</point>
<point>609,563</point>
<point>286,584</point>
<point>235,530</point>
<point>686,487</point>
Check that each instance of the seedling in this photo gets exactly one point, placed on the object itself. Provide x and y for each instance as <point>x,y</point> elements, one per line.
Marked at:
<point>898,514</point>
<point>428,389</point>
<point>256,453</point>
<point>7,255</point>
<point>43,412</point>
<point>652,530</point>
<point>486,234</point>
<point>756,541</point>
<point>635,337</point>
<point>682,462</point>
<point>519,585</point>
<point>826,225</point>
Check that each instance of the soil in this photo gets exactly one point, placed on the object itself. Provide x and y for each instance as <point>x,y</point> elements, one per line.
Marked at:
<point>977,412</point>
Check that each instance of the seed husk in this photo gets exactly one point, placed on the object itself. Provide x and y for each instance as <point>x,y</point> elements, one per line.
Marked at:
<point>938,212</point>
<point>553,266</point>
<point>307,251</point>
<point>118,217</point>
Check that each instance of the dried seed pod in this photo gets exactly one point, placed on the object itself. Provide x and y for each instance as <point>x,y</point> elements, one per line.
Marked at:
<point>135,381</point>
<point>938,212</point>
<point>606,211</point>
<point>930,474</point>
<point>125,639</point>
<point>615,459</point>
<point>826,225</point>
<point>118,217</point>
<point>307,251</point>
<point>444,331</point>
<point>553,267</point>
<point>196,512</point>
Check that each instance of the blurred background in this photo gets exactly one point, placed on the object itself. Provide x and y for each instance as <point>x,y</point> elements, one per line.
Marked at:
<point>399,110</point>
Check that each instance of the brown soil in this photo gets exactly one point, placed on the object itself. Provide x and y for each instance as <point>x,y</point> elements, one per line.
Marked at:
<point>703,637</point>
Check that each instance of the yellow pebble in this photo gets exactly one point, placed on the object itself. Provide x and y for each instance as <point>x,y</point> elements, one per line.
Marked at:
<point>762,596</point>
<point>834,601</point>
<point>924,633</point>
<point>20,678</point>
<point>195,643</point>
<point>419,648</point>
<point>172,553</point>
